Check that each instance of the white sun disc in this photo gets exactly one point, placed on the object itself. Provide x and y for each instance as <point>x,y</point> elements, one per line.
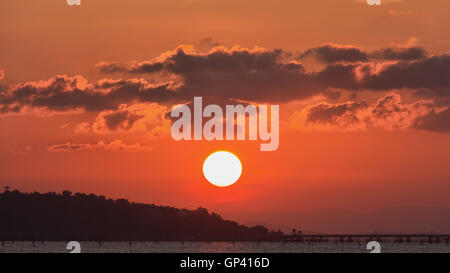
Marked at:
<point>222,168</point>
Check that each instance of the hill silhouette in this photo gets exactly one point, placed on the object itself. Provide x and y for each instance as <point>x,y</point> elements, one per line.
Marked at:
<point>89,217</point>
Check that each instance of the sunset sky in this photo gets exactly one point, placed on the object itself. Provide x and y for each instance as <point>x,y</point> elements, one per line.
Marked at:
<point>364,95</point>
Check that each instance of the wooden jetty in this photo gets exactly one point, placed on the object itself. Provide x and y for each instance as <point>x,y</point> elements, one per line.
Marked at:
<point>388,237</point>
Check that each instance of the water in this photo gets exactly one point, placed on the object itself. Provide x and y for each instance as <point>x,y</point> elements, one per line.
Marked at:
<point>219,247</point>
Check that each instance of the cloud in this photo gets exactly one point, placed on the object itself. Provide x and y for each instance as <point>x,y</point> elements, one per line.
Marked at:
<point>114,146</point>
<point>136,67</point>
<point>436,121</point>
<point>149,120</point>
<point>428,73</point>
<point>21,151</point>
<point>184,60</point>
<point>82,128</point>
<point>248,74</point>
<point>347,116</point>
<point>207,44</point>
<point>342,114</point>
<point>110,67</point>
<point>333,53</point>
<point>8,109</point>
<point>64,94</point>
<point>402,13</point>
<point>388,113</point>
<point>255,75</point>
<point>121,119</point>
<point>64,126</point>
<point>405,53</point>
<point>58,93</point>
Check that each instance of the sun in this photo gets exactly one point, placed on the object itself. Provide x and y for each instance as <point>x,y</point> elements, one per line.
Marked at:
<point>222,168</point>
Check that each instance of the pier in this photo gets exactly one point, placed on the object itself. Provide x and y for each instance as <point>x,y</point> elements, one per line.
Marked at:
<point>388,237</point>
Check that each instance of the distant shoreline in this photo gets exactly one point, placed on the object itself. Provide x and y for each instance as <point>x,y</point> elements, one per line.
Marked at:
<point>89,217</point>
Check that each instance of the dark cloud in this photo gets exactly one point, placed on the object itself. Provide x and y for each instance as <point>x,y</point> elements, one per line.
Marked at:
<point>400,53</point>
<point>256,75</point>
<point>122,119</point>
<point>223,60</point>
<point>260,74</point>
<point>137,68</point>
<point>64,93</point>
<point>388,105</point>
<point>435,121</point>
<point>184,61</point>
<point>443,93</point>
<point>429,73</point>
<point>337,76</point>
<point>327,113</point>
<point>6,109</point>
<point>334,53</point>
<point>59,93</point>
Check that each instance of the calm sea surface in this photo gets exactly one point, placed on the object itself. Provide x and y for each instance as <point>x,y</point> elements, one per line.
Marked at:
<point>219,247</point>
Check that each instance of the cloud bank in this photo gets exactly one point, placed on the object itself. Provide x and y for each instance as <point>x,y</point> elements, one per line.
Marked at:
<point>135,96</point>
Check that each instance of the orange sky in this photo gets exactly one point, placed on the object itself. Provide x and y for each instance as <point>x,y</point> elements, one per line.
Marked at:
<point>373,138</point>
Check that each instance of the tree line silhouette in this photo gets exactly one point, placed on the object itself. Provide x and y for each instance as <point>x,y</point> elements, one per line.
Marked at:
<point>89,217</point>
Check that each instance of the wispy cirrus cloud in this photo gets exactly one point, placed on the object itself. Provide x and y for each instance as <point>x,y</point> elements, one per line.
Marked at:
<point>113,146</point>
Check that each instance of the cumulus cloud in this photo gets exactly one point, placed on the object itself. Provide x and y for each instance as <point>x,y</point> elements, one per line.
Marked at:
<point>184,60</point>
<point>114,146</point>
<point>120,119</point>
<point>256,75</point>
<point>8,109</point>
<point>405,53</point>
<point>429,73</point>
<point>249,74</point>
<point>347,116</point>
<point>331,53</point>
<point>149,120</point>
<point>388,113</point>
<point>265,75</point>
<point>340,115</point>
<point>436,121</point>
<point>63,93</point>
